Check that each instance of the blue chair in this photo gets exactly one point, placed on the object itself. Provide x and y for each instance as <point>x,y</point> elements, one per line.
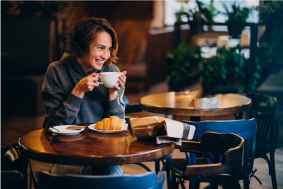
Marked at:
<point>148,180</point>
<point>244,128</point>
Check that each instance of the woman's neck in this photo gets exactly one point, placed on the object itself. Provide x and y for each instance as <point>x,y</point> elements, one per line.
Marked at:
<point>84,65</point>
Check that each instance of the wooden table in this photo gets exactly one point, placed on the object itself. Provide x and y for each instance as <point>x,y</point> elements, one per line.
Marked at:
<point>182,103</point>
<point>91,148</point>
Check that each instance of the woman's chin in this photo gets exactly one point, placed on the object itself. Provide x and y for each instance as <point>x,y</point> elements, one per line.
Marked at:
<point>98,67</point>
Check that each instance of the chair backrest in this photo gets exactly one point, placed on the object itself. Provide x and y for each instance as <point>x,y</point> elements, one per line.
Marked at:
<point>264,109</point>
<point>262,104</point>
<point>13,168</point>
<point>219,143</point>
<point>214,145</point>
<point>244,128</point>
<point>148,180</point>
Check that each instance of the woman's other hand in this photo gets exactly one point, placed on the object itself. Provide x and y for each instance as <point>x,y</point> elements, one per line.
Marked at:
<point>113,91</point>
<point>85,85</point>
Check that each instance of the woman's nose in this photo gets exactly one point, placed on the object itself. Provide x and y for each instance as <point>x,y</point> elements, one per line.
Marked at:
<point>105,54</point>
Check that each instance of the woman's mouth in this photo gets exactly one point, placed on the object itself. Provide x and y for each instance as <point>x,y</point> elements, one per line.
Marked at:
<point>100,62</point>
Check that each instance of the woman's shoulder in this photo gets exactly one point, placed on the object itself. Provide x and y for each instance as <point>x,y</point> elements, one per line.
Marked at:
<point>60,64</point>
<point>113,68</point>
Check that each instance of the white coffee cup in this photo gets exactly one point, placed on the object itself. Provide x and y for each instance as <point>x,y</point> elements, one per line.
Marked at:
<point>109,79</point>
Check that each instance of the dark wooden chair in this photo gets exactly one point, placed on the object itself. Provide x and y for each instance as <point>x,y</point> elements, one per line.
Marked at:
<point>148,180</point>
<point>244,128</point>
<point>13,168</point>
<point>228,147</point>
<point>264,109</point>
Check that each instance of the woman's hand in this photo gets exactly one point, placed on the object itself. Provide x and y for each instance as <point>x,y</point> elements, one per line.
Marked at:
<point>85,85</point>
<point>113,91</point>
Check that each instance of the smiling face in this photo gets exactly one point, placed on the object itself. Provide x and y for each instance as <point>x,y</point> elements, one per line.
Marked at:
<point>99,52</point>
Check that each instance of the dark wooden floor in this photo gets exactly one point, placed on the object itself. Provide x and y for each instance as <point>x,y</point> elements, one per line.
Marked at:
<point>13,127</point>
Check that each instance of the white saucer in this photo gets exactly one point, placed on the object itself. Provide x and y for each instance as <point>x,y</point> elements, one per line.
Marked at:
<point>63,131</point>
<point>125,127</point>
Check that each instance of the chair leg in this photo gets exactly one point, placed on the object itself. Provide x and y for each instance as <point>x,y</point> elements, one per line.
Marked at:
<point>144,166</point>
<point>193,184</point>
<point>197,184</point>
<point>272,170</point>
<point>157,166</point>
<point>271,166</point>
<point>246,164</point>
<point>24,170</point>
<point>174,184</point>
<point>214,184</point>
<point>168,177</point>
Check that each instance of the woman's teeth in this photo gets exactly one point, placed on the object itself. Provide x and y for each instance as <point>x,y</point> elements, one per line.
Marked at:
<point>101,62</point>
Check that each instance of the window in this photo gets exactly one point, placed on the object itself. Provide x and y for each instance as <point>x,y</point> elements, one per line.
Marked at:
<point>171,6</point>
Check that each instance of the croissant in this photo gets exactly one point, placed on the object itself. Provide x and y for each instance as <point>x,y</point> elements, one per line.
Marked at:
<point>111,123</point>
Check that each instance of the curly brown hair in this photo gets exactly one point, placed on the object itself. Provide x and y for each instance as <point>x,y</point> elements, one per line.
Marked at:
<point>84,32</point>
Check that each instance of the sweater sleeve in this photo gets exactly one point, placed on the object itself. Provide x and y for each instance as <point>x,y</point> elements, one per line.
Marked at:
<point>61,108</point>
<point>116,107</point>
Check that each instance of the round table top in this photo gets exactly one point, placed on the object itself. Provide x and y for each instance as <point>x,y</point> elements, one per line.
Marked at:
<point>182,103</point>
<point>91,148</point>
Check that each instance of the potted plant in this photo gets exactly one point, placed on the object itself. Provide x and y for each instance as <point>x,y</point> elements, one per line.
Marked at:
<point>199,15</point>
<point>228,68</point>
<point>236,18</point>
<point>271,13</point>
<point>183,64</point>
<point>196,23</point>
<point>269,54</point>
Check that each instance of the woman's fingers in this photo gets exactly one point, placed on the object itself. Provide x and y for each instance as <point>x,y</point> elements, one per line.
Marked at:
<point>89,82</point>
<point>117,88</point>
<point>121,84</point>
<point>92,80</point>
<point>122,80</point>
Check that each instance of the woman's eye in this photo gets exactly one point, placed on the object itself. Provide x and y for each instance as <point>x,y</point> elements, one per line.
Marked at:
<point>100,48</point>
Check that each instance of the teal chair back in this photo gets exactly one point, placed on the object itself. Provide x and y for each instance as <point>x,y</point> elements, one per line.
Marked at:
<point>148,180</point>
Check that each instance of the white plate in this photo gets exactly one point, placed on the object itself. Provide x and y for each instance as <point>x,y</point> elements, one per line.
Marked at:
<point>125,127</point>
<point>63,131</point>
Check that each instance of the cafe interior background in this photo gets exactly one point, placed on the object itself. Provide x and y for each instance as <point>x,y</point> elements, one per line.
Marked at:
<point>150,34</point>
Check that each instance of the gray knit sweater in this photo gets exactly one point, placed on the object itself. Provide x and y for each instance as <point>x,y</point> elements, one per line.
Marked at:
<point>64,108</point>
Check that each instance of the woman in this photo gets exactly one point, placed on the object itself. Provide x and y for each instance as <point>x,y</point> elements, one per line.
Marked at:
<point>70,92</point>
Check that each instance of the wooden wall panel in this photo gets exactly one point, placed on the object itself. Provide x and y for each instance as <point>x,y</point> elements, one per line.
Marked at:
<point>130,19</point>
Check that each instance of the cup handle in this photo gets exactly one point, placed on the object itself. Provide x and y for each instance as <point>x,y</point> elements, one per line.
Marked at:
<point>98,81</point>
